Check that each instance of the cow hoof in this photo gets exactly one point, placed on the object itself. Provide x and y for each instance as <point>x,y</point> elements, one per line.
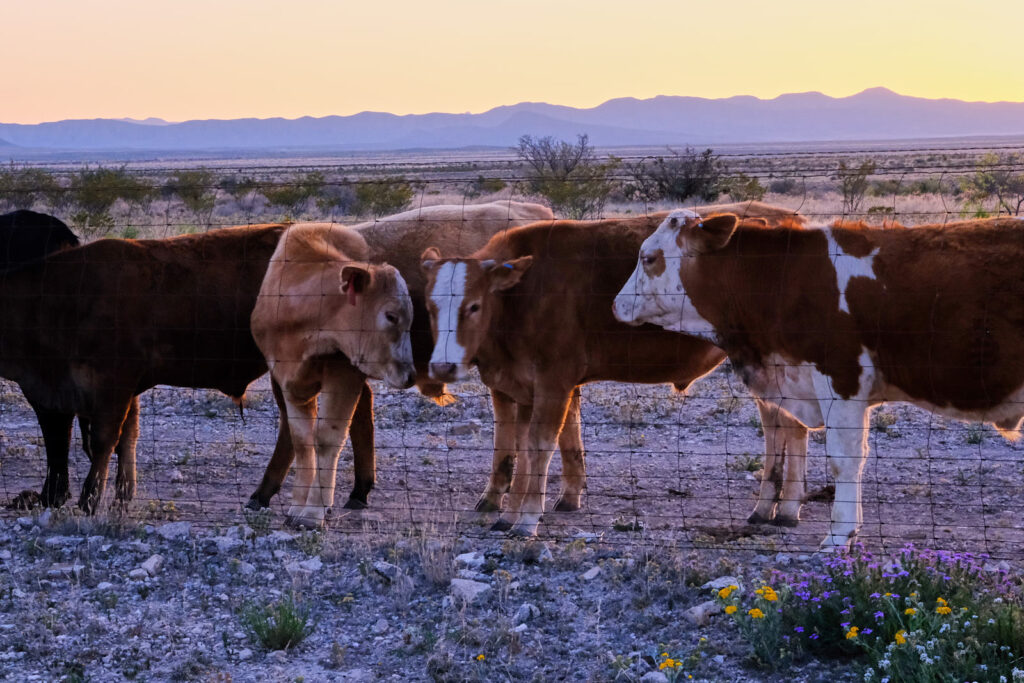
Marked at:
<point>789,522</point>
<point>565,505</point>
<point>523,531</point>
<point>355,504</point>
<point>756,518</point>
<point>501,525</point>
<point>304,518</point>
<point>486,505</point>
<point>255,505</point>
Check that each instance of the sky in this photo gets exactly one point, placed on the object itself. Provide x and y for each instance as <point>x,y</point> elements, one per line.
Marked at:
<point>188,59</point>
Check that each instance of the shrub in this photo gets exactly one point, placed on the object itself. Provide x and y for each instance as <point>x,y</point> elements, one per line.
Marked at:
<point>292,195</point>
<point>568,175</point>
<point>744,188</point>
<point>853,183</point>
<point>679,177</point>
<point>277,625</point>
<point>196,190</point>
<point>996,179</point>
<point>785,186</point>
<point>21,188</point>
<point>482,186</point>
<point>95,191</point>
<point>383,197</point>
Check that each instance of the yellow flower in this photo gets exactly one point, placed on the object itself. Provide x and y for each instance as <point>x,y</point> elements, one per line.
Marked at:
<point>669,664</point>
<point>726,592</point>
<point>760,591</point>
<point>480,657</point>
<point>664,654</point>
<point>756,613</point>
<point>730,609</point>
<point>888,595</point>
<point>901,637</point>
<point>910,610</point>
<point>771,596</point>
<point>943,610</point>
<point>852,633</point>
<point>941,601</point>
<point>914,594</point>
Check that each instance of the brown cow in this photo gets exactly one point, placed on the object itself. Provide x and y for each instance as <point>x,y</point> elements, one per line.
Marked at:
<point>532,309</point>
<point>828,323</point>
<point>87,329</point>
<point>320,299</point>
<point>399,240</point>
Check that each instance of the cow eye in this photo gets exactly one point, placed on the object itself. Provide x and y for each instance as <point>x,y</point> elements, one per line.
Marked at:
<point>474,307</point>
<point>391,318</point>
<point>648,259</point>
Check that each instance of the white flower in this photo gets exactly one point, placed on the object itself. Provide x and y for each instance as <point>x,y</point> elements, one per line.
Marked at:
<point>944,627</point>
<point>884,664</point>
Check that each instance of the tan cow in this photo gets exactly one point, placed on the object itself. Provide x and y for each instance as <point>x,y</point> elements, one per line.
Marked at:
<point>320,298</point>
<point>829,322</point>
<point>532,310</point>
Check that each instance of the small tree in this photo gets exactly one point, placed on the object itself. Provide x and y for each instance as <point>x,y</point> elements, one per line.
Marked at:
<point>197,192</point>
<point>744,188</point>
<point>95,191</point>
<point>853,183</point>
<point>997,177</point>
<point>569,176</point>
<point>383,196</point>
<point>336,197</point>
<point>678,177</point>
<point>21,188</point>
<point>482,186</point>
<point>293,195</point>
<point>238,188</point>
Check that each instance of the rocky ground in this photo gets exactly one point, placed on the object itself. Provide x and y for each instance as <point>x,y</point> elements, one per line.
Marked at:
<point>416,587</point>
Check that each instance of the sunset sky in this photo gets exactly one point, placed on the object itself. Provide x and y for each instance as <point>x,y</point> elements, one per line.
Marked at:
<point>236,58</point>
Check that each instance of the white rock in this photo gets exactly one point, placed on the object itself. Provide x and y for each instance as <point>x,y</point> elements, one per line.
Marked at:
<point>44,517</point>
<point>545,555</point>
<point>520,628</point>
<point>386,569</point>
<point>5,554</point>
<point>526,612</point>
<point>61,570</point>
<point>313,564</point>
<point>468,592</point>
<point>104,586</point>
<point>472,560</point>
<point>591,573</point>
<point>246,569</point>
<point>783,559</point>
<point>175,531</point>
<point>699,614</point>
<point>244,655</point>
<point>381,626</point>
<point>25,522</point>
<point>719,659</point>
<point>138,574</point>
<point>226,543</point>
<point>653,677</point>
<point>153,564</point>
<point>722,582</point>
<point>63,541</point>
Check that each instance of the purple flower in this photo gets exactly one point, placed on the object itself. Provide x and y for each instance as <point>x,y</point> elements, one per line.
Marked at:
<point>879,614</point>
<point>845,625</point>
<point>799,629</point>
<point>875,595</point>
<point>814,636</point>
<point>865,631</point>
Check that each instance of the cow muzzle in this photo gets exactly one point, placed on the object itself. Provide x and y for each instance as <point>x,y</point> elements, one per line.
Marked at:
<point>400,375</point>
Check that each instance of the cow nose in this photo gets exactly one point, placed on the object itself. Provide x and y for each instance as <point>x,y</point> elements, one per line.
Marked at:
<point>443,371</point>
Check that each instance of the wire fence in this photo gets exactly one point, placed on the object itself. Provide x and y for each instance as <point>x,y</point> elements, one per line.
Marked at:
<point>662,468</point>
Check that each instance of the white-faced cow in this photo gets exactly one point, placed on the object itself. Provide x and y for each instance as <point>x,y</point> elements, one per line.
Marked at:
<point>320,299</point>
<point>532,310</point>
<point>828,322</point>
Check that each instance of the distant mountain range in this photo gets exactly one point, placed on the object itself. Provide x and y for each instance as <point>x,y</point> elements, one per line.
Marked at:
<point>875,114</point>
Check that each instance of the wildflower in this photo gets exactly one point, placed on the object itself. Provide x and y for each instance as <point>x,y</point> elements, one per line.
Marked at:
<point>901,637</point>
<point>798,629</point>
<point>726,592</point>
<point>879,615</point>
<point>480,657</point>
<point>910,611</point>
<point>669,664</point>
<point>867,631</point>
<point>942,609</point>
<point>852,633</point>
<point>729,609</point>
<point>756,613</point>
<point>941,601</point>
<point>813,636</point>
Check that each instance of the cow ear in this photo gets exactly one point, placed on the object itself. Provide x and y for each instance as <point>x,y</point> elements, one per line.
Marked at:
<point>711,234</point>
<point>354,280</point>
<point>506,273</point>
<point>429,259</point>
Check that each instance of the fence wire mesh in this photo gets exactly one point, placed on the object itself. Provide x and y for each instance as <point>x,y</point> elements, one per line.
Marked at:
<point>662,468</point>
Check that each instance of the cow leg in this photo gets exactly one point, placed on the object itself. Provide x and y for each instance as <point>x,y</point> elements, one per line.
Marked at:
<point>504,453</point>
<point>846,450</point>
<point>342,387</point>
<point>125,449</point>
<point>301,417</point>
<point>104,432</point>
<point>794,483</point>
<point>363,454</point>
<point>521,469</point>
<point>549,408</point>
<point>774,456</point>
<point>56,428</point>
<point>280,461</point>
<point>570,443</point>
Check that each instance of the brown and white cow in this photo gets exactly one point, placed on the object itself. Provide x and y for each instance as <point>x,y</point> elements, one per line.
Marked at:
<point>320,298</point>
<point>829,322</point>
<point>532,310</point>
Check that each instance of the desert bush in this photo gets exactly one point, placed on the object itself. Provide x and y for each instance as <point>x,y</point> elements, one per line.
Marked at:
<point>677,178</point>
<point>786,186</point>
<point>293,195</point>
<point>997,178</point>
<point>482,186</point>
<point>197,191</point>
<point>21,188</point>
<point>853,183</point>
<point>238,188</point>
<point>744,188</point>
<point>569,176</point>
<point>277,625</point>
<point>382,197</point>
<point>337,197</point>
<point>95,191</point>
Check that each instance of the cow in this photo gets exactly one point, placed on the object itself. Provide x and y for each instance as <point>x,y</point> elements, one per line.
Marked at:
<point>532,310</point>
<point>325,321</point>
<point>827,323</point>
<point>399,240</point>
<point>86,330</point>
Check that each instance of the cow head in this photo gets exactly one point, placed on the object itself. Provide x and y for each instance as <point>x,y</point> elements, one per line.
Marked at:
<point>462,295</point>
<point>656,291</point>
<point>382,348</point>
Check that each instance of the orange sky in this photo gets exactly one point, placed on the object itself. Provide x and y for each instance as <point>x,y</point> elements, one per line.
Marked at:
<point>234,58</point>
